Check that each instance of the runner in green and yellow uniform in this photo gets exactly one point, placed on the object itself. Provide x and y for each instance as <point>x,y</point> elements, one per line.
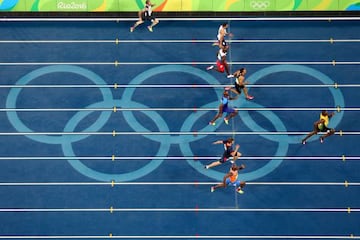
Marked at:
<point>321,126</point>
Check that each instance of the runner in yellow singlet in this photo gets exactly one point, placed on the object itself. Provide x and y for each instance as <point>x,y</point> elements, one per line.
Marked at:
<point>321,126</point>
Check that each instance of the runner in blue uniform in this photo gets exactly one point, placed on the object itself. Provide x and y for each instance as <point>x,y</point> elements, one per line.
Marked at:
<point>229,152</point>
<point>223,107</point>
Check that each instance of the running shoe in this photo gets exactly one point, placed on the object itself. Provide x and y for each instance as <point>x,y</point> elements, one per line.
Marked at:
<point>209,68</point>
<point>226,121</point>
<point>249,97</point>
<point>239,190</point>
<point>230,76</point>
<point>321,139</point>
<point>150,28</point>
<point>131,29</point>
<point>212,123</point>
<point>212,189</point>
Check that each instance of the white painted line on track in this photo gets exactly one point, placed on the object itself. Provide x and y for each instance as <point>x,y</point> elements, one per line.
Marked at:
<point>115,63</point>
<point>31,184</point>
<point>185,237</point>
<point>287,210</point>
<point>165,133</point>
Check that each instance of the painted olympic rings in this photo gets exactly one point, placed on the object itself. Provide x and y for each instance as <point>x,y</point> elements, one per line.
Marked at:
<point>259,4</point>
<point>165,141</point>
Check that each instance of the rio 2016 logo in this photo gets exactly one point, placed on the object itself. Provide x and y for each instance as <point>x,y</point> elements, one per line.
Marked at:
<point>71,5</point>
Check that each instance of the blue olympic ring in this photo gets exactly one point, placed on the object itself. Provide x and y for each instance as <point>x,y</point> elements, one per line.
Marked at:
<point>21,127</point>
<point>266,169</point>
<point>83,169</point>
<point>128,93</point>
<point>338,97</point>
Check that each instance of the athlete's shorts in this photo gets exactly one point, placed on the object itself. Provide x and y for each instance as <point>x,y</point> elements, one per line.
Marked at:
<point>235,184</point>
<point>324,129</point>
<point>146,17</point>
<point>225,158</point>
<point>239,87</point>
<point>222,43</point>
<point>220,66</point>
<point>228,109</point>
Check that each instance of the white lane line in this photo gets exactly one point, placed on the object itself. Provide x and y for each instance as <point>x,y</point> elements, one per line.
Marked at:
<point>114,133</point>
<point>115,109</point>
<point>112,209</point>
<point>116,63</point>
<point>119,41</point>
<point>113,183</point>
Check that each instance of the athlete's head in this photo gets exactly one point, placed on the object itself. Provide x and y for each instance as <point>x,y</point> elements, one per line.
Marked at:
<point>242,71</point>
<point>230,140</point>
<point>225,25</point>
<point>147,2</point>
<point>324,113</point>
<point>226,93</point>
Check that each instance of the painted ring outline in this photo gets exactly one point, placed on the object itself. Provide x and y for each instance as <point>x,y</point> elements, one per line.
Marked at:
<point>264,170</point>
<point>338,97</point>
<point>121,177</point>
<point>14,93</point>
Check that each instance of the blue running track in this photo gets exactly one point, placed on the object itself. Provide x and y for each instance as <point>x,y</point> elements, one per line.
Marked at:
<point>95,143</point>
